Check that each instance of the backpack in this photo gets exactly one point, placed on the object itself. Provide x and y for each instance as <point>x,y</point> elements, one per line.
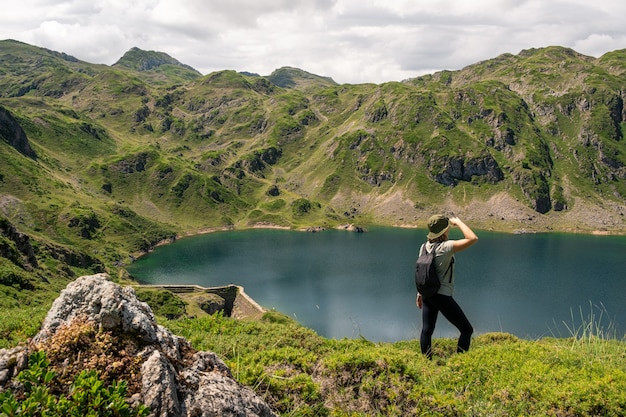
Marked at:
<point>426,279</point>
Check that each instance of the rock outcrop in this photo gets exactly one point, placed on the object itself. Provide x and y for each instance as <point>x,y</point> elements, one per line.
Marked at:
<point>172,379</point>
<point>12,133</point>
<point>21,252</point>
<point>455,169</point>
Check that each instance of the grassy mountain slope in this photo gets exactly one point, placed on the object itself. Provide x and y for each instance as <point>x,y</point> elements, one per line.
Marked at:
<point>99,162</point>
<point>134,153</point>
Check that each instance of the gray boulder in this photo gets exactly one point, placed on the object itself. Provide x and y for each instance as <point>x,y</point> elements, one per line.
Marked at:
<point>175,379</point>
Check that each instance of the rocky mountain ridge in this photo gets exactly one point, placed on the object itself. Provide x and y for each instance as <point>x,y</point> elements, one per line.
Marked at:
<point>124,157</point>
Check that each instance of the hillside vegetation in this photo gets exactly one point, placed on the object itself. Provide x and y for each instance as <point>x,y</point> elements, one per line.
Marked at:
<point>299,373</point>
<point>117,158</point>
<point>99,163</point>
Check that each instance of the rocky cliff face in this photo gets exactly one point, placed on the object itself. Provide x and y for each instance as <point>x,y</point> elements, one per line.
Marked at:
<point>19,248</point>
<point>21,252</point>
<point>96,324</point>
<point>12,133</point>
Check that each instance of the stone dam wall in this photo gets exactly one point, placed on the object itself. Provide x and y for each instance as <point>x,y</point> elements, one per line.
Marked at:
<point>236,303</point>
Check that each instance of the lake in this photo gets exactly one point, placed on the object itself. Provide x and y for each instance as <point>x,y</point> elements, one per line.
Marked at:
<point>350,285</point>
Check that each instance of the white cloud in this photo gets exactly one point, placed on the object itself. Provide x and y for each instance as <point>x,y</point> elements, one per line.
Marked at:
<point>597,44</point>
<point>352,41</point>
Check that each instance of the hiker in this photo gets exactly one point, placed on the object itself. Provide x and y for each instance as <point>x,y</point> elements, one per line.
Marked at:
<point>442,301</point>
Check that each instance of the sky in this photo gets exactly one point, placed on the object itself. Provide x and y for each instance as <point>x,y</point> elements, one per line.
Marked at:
<point>351,41</point>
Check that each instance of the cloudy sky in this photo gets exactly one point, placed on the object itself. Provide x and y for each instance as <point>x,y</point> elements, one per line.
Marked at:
<point>352,41</point>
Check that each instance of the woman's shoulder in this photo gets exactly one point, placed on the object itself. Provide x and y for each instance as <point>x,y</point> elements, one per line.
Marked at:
<point>447,246</point>
<point>442,248</point>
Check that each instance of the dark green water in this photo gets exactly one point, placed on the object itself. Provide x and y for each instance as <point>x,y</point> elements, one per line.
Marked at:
<point>344,284</point>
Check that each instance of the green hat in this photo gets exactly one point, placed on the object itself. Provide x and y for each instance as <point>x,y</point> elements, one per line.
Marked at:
<point>437,226</point>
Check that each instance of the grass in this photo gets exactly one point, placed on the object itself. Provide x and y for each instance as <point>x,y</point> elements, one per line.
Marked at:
<point>300,373</point>
<point>17,324</point>
<point>592,331</point>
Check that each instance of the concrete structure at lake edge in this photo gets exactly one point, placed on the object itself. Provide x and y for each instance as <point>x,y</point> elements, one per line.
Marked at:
<point>231,299</point>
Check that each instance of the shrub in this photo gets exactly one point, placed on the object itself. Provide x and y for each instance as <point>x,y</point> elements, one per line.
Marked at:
<point>302,206</point>
<point>13,276</point>
<point>87,395</point>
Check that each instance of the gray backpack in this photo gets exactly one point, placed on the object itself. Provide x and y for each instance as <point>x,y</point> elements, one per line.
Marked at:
<point>426,278</point>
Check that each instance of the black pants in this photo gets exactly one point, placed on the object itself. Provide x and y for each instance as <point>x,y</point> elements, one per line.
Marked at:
<point>453,313</point>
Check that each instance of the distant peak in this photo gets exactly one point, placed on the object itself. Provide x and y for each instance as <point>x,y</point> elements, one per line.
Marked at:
<point>141,60</point>
<point>290,77</point>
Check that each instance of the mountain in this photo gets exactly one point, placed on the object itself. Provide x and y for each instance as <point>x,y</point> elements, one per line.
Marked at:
<point>25,69</point>
<point>153,65</point>
<point>140,60</point>
<point>289,77</point>
<point>114,159</point>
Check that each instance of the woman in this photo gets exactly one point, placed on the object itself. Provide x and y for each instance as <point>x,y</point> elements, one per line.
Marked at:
<point>438,229</point>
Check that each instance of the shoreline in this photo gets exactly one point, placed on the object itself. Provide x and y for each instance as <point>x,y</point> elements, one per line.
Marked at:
<point>310,229</point>
<point>350,227</point>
